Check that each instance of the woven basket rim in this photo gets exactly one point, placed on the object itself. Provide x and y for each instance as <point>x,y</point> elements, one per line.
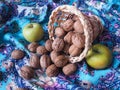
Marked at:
<point>88,32</point>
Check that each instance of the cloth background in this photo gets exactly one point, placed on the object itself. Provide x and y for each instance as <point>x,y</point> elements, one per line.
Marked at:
<point>15,14</point>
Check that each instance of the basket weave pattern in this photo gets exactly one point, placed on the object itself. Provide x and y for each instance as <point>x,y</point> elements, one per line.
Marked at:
<point>89,23</point>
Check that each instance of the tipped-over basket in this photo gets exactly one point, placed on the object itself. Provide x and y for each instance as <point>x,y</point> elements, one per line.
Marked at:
<point>91,25</point>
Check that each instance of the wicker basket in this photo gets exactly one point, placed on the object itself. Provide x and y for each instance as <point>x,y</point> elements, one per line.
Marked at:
<point>91,25</point>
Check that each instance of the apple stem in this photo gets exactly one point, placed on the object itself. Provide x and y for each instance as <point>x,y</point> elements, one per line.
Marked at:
<point>31,26</point>
<point>95,50</point>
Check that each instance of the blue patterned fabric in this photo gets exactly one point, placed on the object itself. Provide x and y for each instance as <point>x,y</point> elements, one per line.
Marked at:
<point>15,14</point>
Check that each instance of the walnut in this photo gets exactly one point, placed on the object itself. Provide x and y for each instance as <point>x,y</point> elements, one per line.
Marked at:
<point>17,54</point>
<point>27,72</point>
<point>33,46</point>
<point>74,51</point>
<point>78,40</point>
<point>60,61</point>
<point>78,27</point>
<point>34,61</point>
<point>41,50</point>
<point>58,44</point>
<point>48,45</point>
<point>66,48</point>
<point>59,32</point>
<point>68,37</point>
<point>53,55</point>
<point>67,25</point>
<point>45,61</point>
<point>69,69</point>
<point>52,71</point>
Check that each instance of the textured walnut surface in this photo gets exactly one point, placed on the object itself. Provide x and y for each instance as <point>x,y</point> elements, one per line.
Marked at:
<point>17,54</point>
<point>52,71</point>
<point>74,51</point>
<point>33,46</point>
<point>67,25</point>
<point>68,37</point>
<point>41,50</point>
<point>48,45</point>
<point>78,40</point>
<point>61,61</point>
<point>53,55</point>
<point>34,61</point>
<point>27,72</point>
<point>45,61</point>
<point>78,27</point>
<point>58,44</point>
<point>69,69</point>
<point>59,32</point>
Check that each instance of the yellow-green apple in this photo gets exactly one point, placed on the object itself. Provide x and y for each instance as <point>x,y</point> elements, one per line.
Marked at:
<point>99,57</point>
<point>33,32</point>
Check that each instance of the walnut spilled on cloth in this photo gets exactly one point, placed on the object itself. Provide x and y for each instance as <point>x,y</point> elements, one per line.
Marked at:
<point>52,70</point>
<point>34,61</point>
<point>27,72</point>
<point>17,54</point>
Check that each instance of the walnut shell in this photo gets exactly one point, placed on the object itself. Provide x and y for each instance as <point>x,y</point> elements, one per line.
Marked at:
<point>69,69</point>
<point>66,48</point>
<point>59,32</point>
<point>41,50</point>
<point>52,71</point>
<point>67,25</point>
<point>34,61</point>
<point>68,37</point>
<point>33,46</point>
<point>58,44</point>
<point>17,54</point>
<point>27,72</point>
<point>78,40</point>
<point>78,27</point>
<point>53,55</point>
<point>60,61</point>
<point>48,45</point>
<point>74,51</point>
<point>45,61</point>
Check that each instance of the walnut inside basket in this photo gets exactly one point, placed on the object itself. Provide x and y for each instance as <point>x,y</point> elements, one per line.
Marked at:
<point>65,17</point>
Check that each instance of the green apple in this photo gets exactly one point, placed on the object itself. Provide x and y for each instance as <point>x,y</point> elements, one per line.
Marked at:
<point>33,32</point>
<point>99,57</point>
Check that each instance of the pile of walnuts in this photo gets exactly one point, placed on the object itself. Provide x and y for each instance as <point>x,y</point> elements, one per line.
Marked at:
<point>69,37</point>
<point>53,56</point>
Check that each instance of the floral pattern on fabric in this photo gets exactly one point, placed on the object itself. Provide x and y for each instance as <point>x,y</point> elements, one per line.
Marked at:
<point>15,14</point>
